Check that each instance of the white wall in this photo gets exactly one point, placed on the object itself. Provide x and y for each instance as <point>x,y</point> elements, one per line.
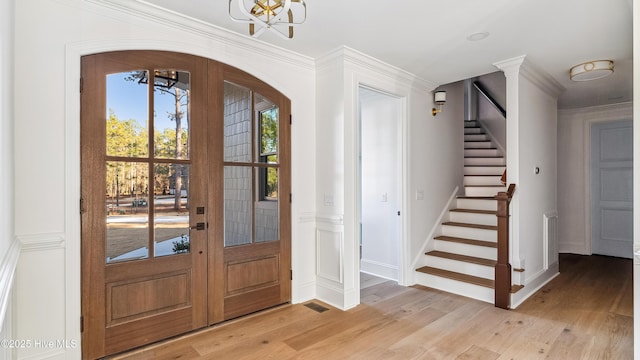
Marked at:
<point>574,171</point>
<point>9,247</point>
<point>380,123</point>
<point>50,38</point>
<point>531,143</point>
<point>431,165</point>
<point>491,119</point>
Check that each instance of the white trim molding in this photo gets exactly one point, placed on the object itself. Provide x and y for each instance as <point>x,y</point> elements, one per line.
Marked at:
<point>42,242</point>
<point>8,265</point>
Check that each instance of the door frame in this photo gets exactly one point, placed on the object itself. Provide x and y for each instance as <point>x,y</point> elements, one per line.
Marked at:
<point>590,188</point>
<point>398,106</point>
<point>597,116</point>
<point>402,180</point>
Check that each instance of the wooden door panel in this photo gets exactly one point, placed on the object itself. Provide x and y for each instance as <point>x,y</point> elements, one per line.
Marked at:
<point>133,293</point>
<point>132,299</point>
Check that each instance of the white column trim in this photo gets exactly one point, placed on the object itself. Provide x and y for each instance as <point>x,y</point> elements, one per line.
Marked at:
<point>8,265</point>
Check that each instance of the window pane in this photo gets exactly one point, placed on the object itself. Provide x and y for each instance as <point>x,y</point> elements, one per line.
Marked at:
<point>267,123</point>
<point>171,117</point>
<point>237,205</point>
<point>171,205</point>
<point>237,123</point>
<point>127,211</point>
<point>266,208</point>
<point>127,115</point>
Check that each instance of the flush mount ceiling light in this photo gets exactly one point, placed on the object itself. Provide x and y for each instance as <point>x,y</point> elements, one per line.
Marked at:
<point>591,70</point>
<point>478,36</point>
<point>262,15</point>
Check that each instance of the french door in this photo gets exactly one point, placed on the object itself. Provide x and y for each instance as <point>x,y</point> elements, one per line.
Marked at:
<point>185,197</point>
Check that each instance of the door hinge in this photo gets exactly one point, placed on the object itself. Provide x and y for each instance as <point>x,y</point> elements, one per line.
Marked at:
<point>82,207</point>
<point>290,119</point>
<point>291,271</point>
<point>81,84</point>
<point>290,198</point>
<point>81,323</point>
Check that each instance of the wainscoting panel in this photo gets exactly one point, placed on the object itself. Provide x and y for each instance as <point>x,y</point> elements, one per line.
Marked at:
<point>330,252</point>
<point>550,241</point>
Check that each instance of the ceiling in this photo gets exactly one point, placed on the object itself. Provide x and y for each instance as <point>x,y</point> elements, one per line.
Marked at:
<point>429,38</point>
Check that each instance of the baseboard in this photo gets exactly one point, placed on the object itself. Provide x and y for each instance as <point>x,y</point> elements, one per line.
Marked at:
<point>532,286</point>
<point>379,269</point>
<point>303,292</point>
<point>573,248</point>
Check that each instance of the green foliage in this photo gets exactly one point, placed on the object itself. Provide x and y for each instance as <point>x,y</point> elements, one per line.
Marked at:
<point>182,246</point>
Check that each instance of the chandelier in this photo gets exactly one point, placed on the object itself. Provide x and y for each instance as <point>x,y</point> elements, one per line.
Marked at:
<point>262,15</point>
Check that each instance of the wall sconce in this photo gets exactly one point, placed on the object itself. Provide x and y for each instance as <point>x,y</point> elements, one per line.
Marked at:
<point>439,97</point>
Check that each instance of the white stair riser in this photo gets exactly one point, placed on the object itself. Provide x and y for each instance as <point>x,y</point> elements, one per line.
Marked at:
<point>482,180</point>
<point>477,204</point>
<point>482,271</point>
<point>456,287</point>
<point>483,191</point>
<point>475,137</point>
<point>481,152</point>
<point>466,249</point>
<point>484,161</point>
<point>473,130</point>
<point>469,233</point>
<point>478,144</point>
<point>484,170</point>
<point>471,123</point>
<point>472,218</point>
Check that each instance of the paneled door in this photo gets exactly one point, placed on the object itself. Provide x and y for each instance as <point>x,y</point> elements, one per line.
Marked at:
<point>250,266</point>
<point>177,233</point>
<point>612,188</point>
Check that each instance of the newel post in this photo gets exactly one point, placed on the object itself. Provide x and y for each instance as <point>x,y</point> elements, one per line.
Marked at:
<point>503,268</point>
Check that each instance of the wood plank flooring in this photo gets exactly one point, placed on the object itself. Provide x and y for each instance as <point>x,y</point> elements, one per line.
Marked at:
<point>585,313</point>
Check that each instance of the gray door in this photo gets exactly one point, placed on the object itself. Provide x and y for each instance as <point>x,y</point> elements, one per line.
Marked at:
<point>612,188</point>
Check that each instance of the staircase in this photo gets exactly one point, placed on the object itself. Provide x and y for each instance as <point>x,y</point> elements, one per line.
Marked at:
<point>463,257</point>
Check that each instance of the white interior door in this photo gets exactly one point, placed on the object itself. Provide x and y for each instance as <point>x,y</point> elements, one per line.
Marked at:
<point>612,188</point>
<point>381,240</point>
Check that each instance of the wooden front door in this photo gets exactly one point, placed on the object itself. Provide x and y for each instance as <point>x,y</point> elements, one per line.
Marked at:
<point>176,235</point>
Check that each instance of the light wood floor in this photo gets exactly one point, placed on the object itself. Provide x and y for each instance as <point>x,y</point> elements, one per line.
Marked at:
<point>585,313</point>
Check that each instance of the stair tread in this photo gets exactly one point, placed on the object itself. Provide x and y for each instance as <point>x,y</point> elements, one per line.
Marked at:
<point>476,141</point>
<point>485,165</point>
<point>491,175</point>
<point>476,197</point>
<point>484,157</point>
<point>474,211</point>
<point>470,279</point>
<point>474,226</point>
<point>466,241</point>
<point>464,258</point>
<point>504,186</point>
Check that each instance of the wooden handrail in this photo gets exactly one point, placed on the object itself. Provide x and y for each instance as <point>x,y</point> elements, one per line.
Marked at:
<point>503,268</point>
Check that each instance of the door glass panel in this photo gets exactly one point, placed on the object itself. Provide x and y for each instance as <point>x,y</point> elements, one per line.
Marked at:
<point>127,109</point>
<point>171,205</point>
<point>127,211</point>
<point>267,129</point>
<point>266,207</point>
<point>237,205</point>
<point>171,117</point>
<point>237,123</point>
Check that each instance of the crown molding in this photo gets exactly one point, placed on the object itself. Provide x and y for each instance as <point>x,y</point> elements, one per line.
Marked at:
<point>167,18</point>
<point>361,60</point>
<point>525,67</point>
<point>602,112</point>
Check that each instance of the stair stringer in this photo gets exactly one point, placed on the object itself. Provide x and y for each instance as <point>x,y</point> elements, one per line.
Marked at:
<point>419,259</point>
